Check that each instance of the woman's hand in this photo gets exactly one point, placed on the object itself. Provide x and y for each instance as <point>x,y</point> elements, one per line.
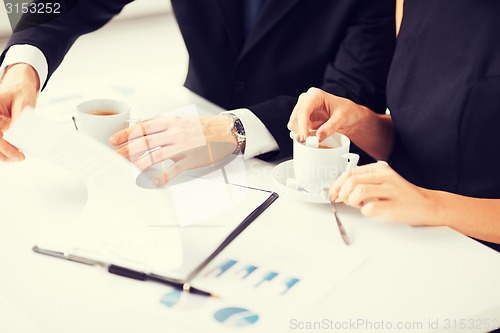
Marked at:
<point>326,113</point>
<point>18,89</point>
<point>189,141</point>
<point>383,194</point>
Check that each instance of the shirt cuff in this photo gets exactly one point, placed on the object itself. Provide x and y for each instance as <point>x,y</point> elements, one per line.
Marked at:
<point>258,138</point>
<point>30,55</point>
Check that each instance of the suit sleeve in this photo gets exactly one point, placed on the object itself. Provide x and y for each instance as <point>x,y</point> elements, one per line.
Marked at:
<point>54,34</point>
<point>357,72</point>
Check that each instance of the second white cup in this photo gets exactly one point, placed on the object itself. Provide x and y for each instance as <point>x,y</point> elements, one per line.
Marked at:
<point>316,168</point>
<point>101,118</point>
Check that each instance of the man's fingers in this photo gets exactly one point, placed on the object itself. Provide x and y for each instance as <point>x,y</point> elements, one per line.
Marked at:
<point>4,123</point>
<point>149,159</point>
<point>3,158</point>
<point>125,135</point>
<point>17,106</point>
<point>144,128</point>
<point>170,173</point>
<point>156,156</point>
<point>9,152</point>
<point>139,146</point>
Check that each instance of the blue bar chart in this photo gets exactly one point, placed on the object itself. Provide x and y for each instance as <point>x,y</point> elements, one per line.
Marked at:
<point>252,277</point>
<point>221,269</point>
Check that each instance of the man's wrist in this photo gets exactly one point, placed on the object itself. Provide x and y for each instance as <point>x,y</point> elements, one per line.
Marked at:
<point>25,71</point>
<point>238,132</point>
<point>28,55</point>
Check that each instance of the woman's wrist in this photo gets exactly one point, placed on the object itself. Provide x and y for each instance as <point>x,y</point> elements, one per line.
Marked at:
<point>372,132</point>
<point>364,117</point>
<point>437,208</point>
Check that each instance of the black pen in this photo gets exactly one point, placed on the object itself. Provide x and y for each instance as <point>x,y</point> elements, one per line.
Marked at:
<point>129,273</point>
<point>132,274</point>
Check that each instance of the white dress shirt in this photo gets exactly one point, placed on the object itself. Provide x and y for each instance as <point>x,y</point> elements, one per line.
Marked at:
<point>258,138</point>
<point>30,55</point>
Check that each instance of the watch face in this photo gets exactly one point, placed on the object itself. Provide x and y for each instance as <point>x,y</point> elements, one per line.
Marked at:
<point>238,126</point>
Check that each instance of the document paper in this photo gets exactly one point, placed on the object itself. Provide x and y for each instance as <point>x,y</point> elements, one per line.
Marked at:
<point>166,231</point>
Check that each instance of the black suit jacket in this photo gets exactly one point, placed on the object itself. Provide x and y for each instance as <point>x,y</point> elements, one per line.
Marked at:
<point>342,46</point>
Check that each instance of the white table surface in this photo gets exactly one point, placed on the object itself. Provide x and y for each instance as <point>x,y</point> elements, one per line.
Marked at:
<point>411,275</point>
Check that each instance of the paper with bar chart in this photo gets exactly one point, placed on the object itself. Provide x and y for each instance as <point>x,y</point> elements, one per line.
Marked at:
<point>262,281</point>
<point>265,266</point>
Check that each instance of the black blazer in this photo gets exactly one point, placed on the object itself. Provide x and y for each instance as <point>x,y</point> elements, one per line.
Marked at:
<point>342,46</point>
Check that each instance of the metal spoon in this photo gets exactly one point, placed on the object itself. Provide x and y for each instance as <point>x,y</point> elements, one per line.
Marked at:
<point>343,233</point>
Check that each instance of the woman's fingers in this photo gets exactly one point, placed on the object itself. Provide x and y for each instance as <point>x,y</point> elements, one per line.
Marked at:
<point>321,111</point>
<point>364,193</point>
<point>329,127</point>
<point>371,173</point>
<point>293,125</point>
<point>311,102</point>
<point>381,210</point>
<point>302,119</point>
<point>352,182</point>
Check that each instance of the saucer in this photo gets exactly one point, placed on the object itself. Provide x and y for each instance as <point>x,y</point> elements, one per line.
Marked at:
<point>284,171</point>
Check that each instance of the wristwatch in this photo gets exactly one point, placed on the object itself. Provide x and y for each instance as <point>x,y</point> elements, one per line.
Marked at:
<point>238,131</point>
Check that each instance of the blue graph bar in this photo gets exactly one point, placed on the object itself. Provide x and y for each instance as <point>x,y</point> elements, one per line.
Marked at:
<point>268,277</point>
<point>248,270</point>
<point>289,285</point>
<point>222,268</point>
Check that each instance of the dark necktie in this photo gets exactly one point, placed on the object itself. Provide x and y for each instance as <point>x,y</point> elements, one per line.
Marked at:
<point>251,10</point>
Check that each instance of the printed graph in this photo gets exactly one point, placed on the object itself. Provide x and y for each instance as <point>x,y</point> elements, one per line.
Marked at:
<point>236,317</point>
<point>251,276</point>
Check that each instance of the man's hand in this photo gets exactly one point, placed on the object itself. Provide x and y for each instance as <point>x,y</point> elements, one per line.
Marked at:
<point>190,142</point>
<point>18,89</point>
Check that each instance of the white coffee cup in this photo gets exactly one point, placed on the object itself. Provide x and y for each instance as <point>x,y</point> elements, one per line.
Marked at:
<point>101,118</point>
<point>316,168</point>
